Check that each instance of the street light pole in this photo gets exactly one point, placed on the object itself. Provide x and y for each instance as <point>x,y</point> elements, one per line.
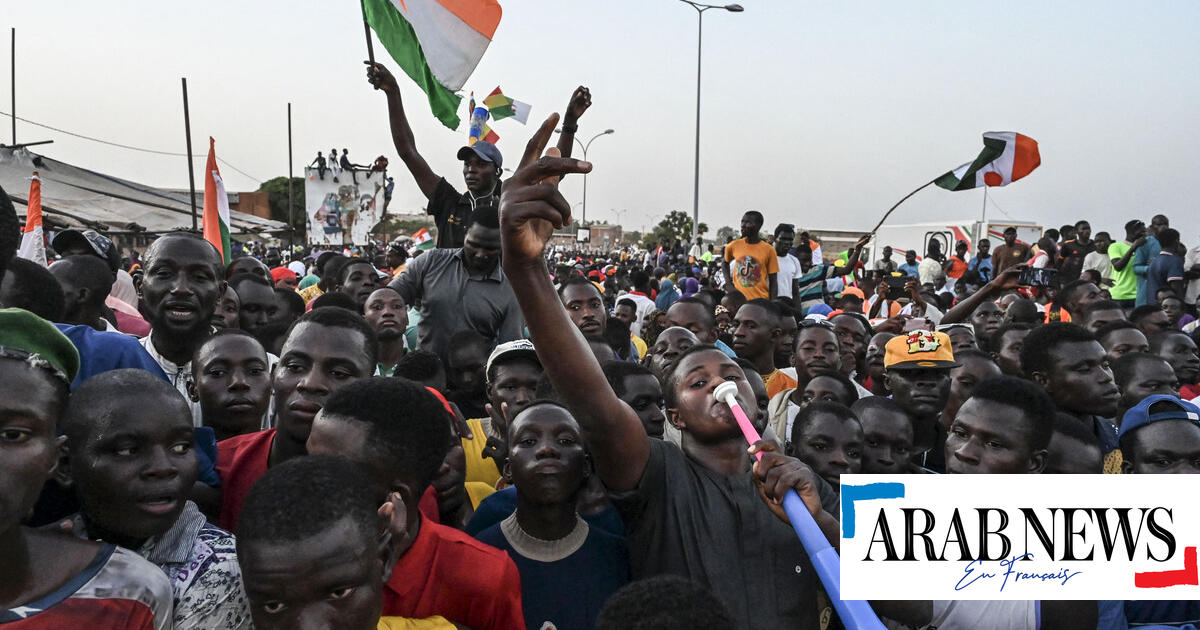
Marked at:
<point>583,219</point>
<point>700,9</point>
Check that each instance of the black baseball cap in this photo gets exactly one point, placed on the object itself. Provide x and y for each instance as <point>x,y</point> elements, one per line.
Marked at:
<point>90,240</point>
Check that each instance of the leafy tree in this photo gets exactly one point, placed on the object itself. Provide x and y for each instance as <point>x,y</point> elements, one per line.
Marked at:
<point>676,225</point>
<point>726,234</point>
<point>277,197</point>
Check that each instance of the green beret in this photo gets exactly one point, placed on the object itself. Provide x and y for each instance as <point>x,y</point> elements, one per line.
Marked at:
<point>28,337</point>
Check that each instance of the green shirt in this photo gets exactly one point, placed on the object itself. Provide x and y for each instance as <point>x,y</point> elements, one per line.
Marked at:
<point>1124,281</point>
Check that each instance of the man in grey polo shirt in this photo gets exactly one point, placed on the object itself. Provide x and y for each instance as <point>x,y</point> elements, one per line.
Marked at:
<point>463,289</point>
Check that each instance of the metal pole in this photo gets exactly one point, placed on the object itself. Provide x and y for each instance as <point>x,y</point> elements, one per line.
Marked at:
<point>14,86</point>
<point>583,221</point>
<point>291,219</point>
<point>983,213</point>
<point>187,129</point>
<point>696,173</point>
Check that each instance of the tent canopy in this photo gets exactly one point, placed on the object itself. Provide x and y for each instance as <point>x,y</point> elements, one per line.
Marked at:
<point>76,197</point>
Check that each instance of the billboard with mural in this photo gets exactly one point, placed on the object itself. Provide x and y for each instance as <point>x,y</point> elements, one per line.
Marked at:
<point>343,211</point>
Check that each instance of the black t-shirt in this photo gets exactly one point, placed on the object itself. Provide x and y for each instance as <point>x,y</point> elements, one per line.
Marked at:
<point>684,519</point>
<point>1071,254</point>
<point>451,212</point>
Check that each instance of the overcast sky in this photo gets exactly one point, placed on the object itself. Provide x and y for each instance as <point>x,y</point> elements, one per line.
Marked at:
<point>818,113</point>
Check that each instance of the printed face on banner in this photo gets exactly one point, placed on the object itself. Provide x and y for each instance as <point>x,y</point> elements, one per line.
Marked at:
<point>345,211</point>
<point>1020,537</point>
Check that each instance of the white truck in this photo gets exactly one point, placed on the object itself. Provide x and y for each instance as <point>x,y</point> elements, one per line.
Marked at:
<point>916,236</point>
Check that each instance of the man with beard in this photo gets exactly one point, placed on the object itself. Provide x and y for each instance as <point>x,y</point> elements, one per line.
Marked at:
<point>388,315</point>
<point>325,349</point>
<point>917,368</point>
<point>180,292</point>
<point>1067,361</point>
<point>463,289</point>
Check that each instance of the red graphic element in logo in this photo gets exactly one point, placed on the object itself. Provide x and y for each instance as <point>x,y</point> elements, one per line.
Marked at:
<point>1187,576</point>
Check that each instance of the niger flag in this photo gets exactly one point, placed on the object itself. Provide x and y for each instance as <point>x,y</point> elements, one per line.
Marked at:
<point>216,206</point>
<point>1006,157</point>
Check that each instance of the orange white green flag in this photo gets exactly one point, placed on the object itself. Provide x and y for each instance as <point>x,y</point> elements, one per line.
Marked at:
<point>1006,157</point>
<point>438,43</point>
<point>216,206</point>
<point>33,244</point>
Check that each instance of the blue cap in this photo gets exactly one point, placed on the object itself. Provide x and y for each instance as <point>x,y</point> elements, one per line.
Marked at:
<point>819,309</point>
<point>1174,409</point>
<point>486,152</point>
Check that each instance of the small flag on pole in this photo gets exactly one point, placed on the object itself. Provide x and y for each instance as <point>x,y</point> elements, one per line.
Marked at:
<point>33,245</point>
<point>1006,157</point>
<point>216,206</point>
<point>502,106</point>
<point>423,239</point>
<point>480,129</point>
<point>437,43</point>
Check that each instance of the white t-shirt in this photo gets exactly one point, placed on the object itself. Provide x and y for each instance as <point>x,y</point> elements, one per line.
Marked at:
<point>1100,262</point>
<point>789,270</point>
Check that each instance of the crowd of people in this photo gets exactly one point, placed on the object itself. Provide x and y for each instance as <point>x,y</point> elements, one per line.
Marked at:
<point>495,434</point>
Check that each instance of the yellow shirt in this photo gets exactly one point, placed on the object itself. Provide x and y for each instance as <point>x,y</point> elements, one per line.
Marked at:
<point>750,267</point>
<point>311,293</point>
<point>479,468</point>
<point>638,343</point>
<point>404,623</point>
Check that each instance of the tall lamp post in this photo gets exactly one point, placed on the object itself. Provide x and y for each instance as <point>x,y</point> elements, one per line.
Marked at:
<point>583,219</point>
<point>700,9</point>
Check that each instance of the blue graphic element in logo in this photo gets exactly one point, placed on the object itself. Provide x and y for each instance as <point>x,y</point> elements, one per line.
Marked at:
<point>850,494</point>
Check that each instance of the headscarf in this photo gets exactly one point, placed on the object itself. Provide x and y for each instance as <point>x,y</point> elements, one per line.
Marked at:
<point>667,295</point>
<point>691,286</point>
<point>123,289</point>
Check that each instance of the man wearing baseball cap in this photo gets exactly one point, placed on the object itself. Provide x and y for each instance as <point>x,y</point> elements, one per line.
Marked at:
<point>482,162</point>
<point>1161,435</point>
<point>512,372</point>
<point>917,371</point>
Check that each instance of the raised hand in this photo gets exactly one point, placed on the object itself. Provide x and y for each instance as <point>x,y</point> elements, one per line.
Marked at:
<point>531,206</point>
<point>581,99</point>
<point>380,78</point>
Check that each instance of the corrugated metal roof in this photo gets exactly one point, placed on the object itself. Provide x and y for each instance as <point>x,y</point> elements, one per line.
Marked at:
<point>80,197</point>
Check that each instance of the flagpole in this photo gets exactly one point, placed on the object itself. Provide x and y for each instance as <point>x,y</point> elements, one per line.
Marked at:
<point>13,75</point>
<point>290,212</point>
<point>367,29</point>
<point>187,129</point>
<point>902,200</point>
<point>983,213</point>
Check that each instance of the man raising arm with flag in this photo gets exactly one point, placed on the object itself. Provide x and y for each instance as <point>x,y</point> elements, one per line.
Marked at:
<point>482,162</point>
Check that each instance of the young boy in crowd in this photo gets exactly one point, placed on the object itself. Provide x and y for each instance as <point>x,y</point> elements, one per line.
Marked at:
<point>511,376</point>
<point>1141,374</point>
<point>1119,338</point>
<point>638,387</point>
<point>400,433</point>
<point>1177,348</point>
<point>567,568</point>
<point>662,490</point>
<point>1070,365</point>
<point>132,472</point>
<point>325,349</point>
<point>1161,435</point>
<point>887,435</point>
<point>828,437</point>
<point>817,349</point>
<point>315,548</point>
<point>53,581</point>
<point>231,379</point>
